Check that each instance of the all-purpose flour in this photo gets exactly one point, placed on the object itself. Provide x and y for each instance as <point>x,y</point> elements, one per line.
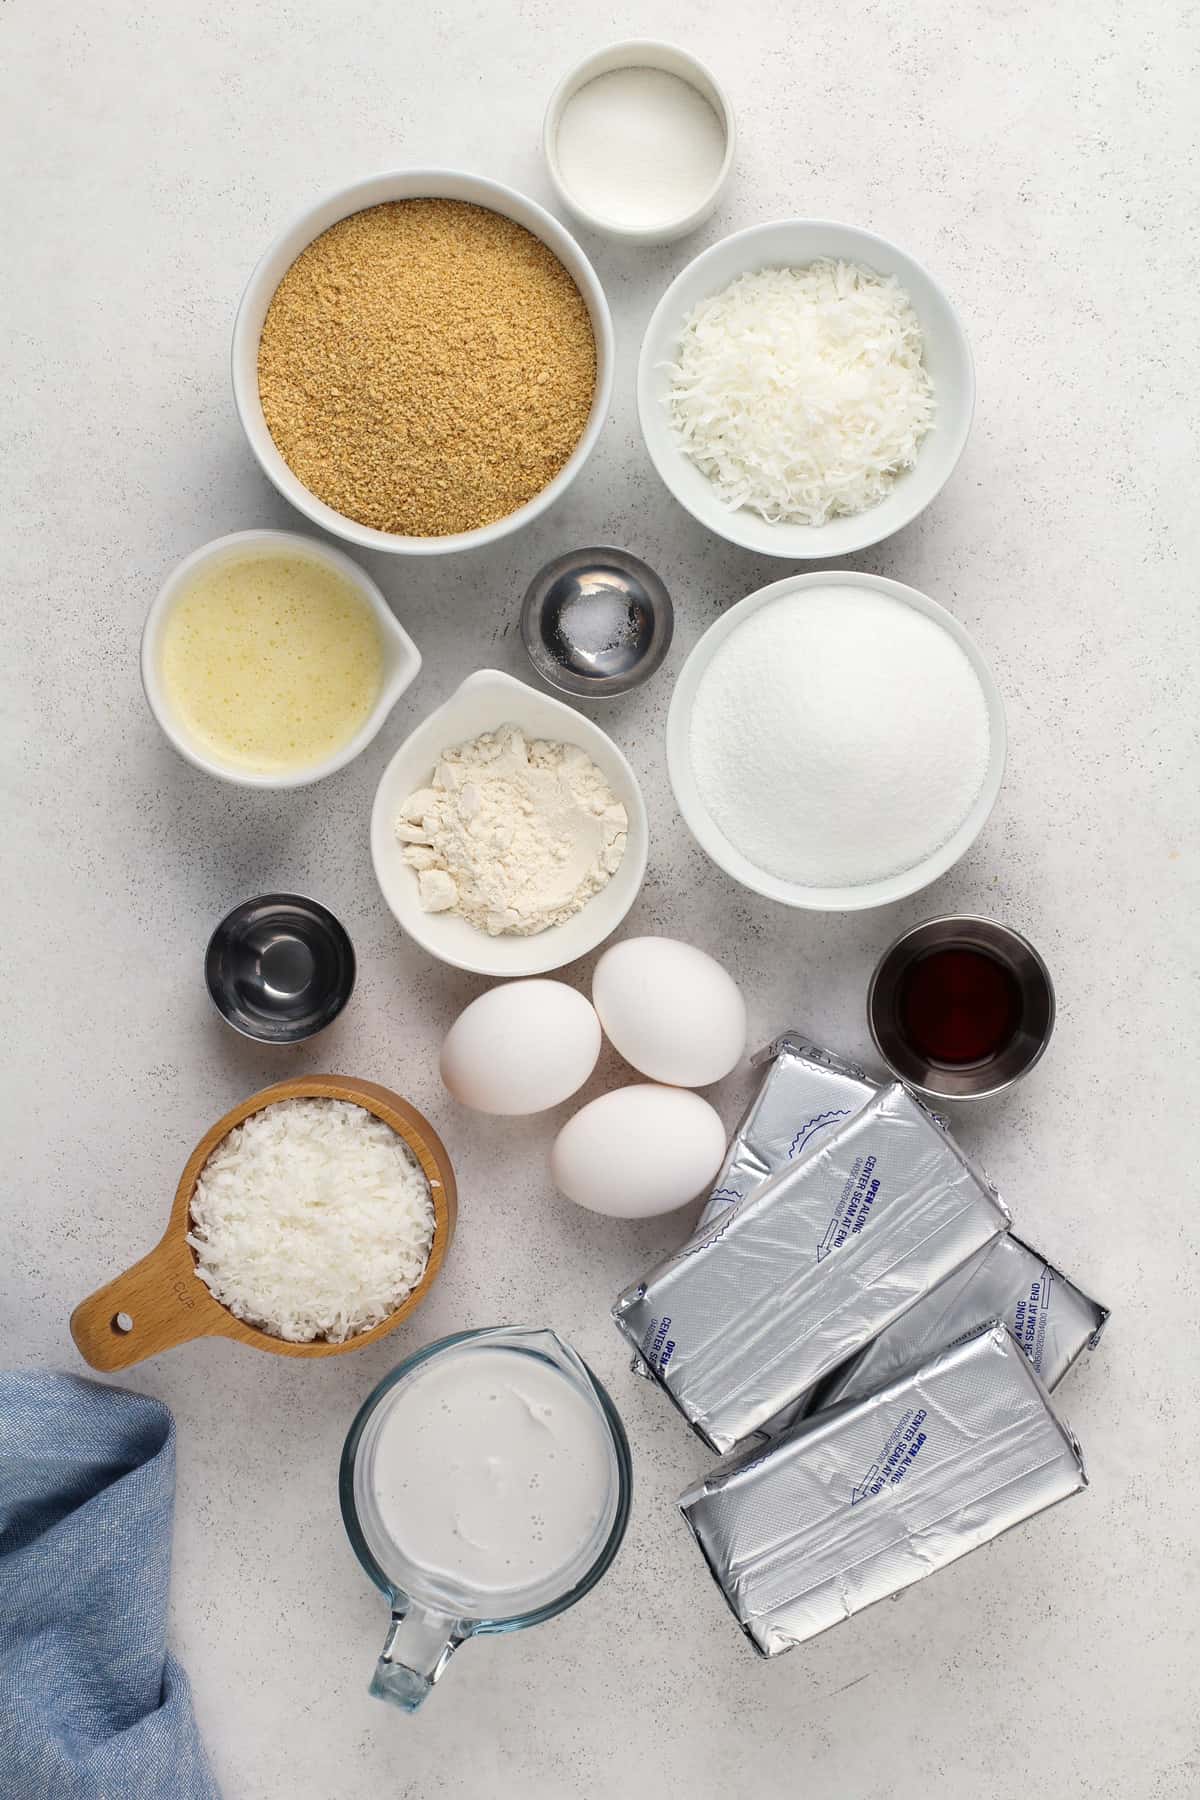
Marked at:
<point>839,736</point>
<point>513,835</point>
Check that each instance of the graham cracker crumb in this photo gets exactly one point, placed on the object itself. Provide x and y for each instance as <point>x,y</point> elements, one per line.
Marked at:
<point>426,367</point>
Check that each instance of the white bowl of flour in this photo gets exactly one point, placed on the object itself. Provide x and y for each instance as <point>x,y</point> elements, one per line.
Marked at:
<point>836,741</point>
<point>488,702</point>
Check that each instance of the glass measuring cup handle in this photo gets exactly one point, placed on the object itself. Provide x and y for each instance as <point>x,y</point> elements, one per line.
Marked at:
<point>419,1644</point>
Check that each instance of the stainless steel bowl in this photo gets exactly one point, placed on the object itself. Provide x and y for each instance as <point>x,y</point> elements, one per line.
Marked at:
<point>596,622</point>
<point>279,968</point>
<point>991,1075</point>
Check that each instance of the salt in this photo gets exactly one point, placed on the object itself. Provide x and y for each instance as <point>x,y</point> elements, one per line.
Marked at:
<point>839,736</point>
<point>639,148</point>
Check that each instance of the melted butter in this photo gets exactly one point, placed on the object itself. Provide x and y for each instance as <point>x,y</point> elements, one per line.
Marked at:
<point>271,662</point>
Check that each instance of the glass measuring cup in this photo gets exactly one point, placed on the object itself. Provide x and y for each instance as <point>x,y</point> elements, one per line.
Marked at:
<point>435,1604</point>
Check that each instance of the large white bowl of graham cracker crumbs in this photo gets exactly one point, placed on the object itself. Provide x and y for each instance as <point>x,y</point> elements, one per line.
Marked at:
<point>423,361</point>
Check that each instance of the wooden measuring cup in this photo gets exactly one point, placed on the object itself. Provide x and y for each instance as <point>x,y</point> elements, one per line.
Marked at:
<point>161,1301</point>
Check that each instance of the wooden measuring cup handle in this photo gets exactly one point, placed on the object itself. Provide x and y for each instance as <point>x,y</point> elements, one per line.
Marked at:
<point>153,1306</point>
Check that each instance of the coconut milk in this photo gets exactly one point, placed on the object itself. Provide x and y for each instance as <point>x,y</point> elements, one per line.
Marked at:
<point>493,1473</point>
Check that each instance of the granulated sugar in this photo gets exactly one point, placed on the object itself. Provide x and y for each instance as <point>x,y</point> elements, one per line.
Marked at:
<point>839,736</point>
<point>640,148</point>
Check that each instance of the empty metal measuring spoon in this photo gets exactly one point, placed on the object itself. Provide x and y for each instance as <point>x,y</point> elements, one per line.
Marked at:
<point>279,968</point>
<point>596,622</point>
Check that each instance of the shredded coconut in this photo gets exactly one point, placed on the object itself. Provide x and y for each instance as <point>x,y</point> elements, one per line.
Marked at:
<point>802,392</point>
<point>312,1219</point>
<point>839,736</point>
<point>513,836</point>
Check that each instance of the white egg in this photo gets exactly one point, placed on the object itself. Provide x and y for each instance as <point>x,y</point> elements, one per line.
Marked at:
<point>639,1150</point>
<point>671,1011</point>
<point>521,1047</point>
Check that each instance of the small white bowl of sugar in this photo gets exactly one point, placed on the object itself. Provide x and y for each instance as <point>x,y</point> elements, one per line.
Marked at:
<point>639,141</point>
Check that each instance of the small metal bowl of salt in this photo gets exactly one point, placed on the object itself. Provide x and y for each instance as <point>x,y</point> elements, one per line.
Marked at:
<point>596,622</point>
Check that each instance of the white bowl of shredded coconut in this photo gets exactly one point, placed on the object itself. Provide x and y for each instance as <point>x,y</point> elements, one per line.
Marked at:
<point>805,389</point>
<point>508,832</point>
<point>836,741</point>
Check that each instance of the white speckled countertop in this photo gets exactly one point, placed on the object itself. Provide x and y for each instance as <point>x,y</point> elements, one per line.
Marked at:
<point>1037,159</point>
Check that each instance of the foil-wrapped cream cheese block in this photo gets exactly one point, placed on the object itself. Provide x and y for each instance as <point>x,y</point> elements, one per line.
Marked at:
<point>805,1093</point>
<point>1052,1320</point>
<point>782,1288</point>
<point>858,1503</point>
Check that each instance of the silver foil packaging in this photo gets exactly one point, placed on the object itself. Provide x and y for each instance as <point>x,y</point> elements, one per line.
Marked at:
<point>805,1093</point>
<point>859,1503</point>
<point>791,1282</point>
<point>1051,1319</point>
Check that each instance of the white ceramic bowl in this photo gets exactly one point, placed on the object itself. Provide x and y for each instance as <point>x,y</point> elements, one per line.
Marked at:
<point>794,242</point>
<point>483,702</point>
<point>401,658</point>
<point>712,839</point>
<point>640,53</point>
<point>411,184</point>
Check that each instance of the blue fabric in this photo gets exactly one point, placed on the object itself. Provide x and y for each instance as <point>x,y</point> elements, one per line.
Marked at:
<point>92,1706</point>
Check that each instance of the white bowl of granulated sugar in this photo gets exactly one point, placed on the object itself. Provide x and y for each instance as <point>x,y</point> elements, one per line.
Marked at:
<point>605,884</point>
<point>836,741</point>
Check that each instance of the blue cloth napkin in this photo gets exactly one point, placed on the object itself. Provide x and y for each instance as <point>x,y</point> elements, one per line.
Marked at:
<point>92,1705</point>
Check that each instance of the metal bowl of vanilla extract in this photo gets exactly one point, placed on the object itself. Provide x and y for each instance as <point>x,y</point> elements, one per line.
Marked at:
<point>961,1007</point>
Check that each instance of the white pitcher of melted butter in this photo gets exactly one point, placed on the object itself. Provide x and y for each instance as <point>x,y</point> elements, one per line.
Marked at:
<point>485,1486</point>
